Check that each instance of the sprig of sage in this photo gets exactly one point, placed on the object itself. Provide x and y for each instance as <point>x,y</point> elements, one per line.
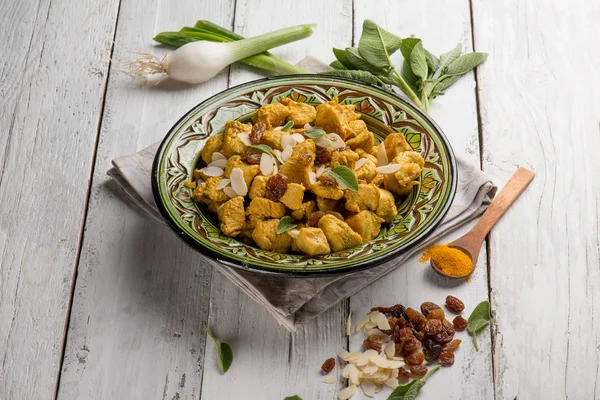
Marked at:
<point>284,225</point>
<point>224,353</point>
<point>263,148</point>
<point>289,125</point>
<point>411,389</point>
<point>479,319</point>
<point>315,133</point>
<point>423,76</point>
<point>345,176</point>
<point>294,397</point>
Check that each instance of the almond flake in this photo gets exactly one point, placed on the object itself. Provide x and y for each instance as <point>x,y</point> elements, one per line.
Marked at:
<point>330,379</point>
<point>360,163</point>
<point>266,164</point>
<point>382,322</point>
<point>286,153</point>
<point>275,169</point>
<point>388,169</point>
<point>375,331</point>
<point>380,361</point>
<point>343,354</point>
<point>395,364</point>
<point>391,382</point>
<point>298,137</point>
<point>287,140</point>
<point>382,158</point>
<point>324,142</point>
<point>354,376</point>
<point>374,315</point>
<point>368,388</point>
<point>390,349</point>
<point>336,141</point>
<point>212,171</point>
<point>217,156</point>
<point>365,357</point>
<point>346,393</point>
<point>349,325</point>
<point>293,233</point>
<point>220,163</point>
<point>363,321</point>
<point>223,183</point>
<point>370,325</point>
<point>347,369</point>
<point>278,155</point>
<point>230,192</point>
<point>394,374</point>
<point>321,170</point>
<point>238,183</point>
<point>312,177</point>
<point>370,369</point>
<point>245,138</point>
<point>307,127</point>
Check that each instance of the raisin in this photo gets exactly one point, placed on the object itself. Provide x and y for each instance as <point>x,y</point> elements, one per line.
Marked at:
<point>373,342</point>
<point>411,346</point>
<point>455,305</point>
<point>436,314</point>
<point>403,373</point>
<point>415,358</point>
<point>328,181</point>
<point>433,327</point>
<point>432,352</point>
<point>460,324</point>
<point>328,365</point>
<point>324,155</point>
<point>405,334</point>
<point>419,322</point>
<point>411,313</point>
<point>420,335</point>
<point>398,351</point>
<point>448,328</point>
<point>383,310</point>
<point>252,158</point>
<point>442,337</point>
<point>398,311</point>
<point>418,371</point>
<point>453,345</point>
<point>427,307</point>
<point>257,131</point>
<point>276,187</point>
<point>447,358</point>
<point>305,158</point>
<point>313,219</point>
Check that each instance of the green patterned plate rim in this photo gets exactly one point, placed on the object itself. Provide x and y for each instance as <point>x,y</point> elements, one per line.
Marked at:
<point>383,111</point>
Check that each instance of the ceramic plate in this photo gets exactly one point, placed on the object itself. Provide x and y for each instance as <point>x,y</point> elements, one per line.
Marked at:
<point>384,112</point>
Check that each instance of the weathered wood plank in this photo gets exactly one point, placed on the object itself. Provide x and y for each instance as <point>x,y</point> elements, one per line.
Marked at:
<point>539,108</point>
<point>141,299</point>
<point>270,362</point>
<point>52,80</point>
<point>441,26</point>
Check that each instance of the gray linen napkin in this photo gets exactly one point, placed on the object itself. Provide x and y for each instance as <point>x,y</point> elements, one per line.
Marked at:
<point>295,301</point>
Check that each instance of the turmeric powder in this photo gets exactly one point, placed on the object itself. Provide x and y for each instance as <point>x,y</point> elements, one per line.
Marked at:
<point>449,260</point>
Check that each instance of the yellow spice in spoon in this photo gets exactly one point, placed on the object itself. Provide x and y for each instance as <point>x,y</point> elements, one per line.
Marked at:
<point>449,260</point>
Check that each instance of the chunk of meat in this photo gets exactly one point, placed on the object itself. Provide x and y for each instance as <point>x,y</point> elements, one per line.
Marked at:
<point>345,157</point>
<point>214,143</point>
<point>300,113</point>
<point>366,224</point>
<point>312,241</point>
<point>327,192</point>
<point>257,189</point>
<point>357,127</point>
<point>232,144</point>
<point>249,171</point>
<point>395,143</point>
<point>404,179</point>
<point>273,115</point>
<point>386,209</point>
<point>307,208</point>
<point>266,237</point>
<point>272,139</point>
<point>300,163</point>
<point>367,171</point>
<point>265,208</point>
<point>334,118</point>
<point>232,216</point>
<point>378,180</point>
<point>208,190</point>
<point>339,234</point>
<point>361,141</point>
<point>367,198</point>
<point>325,205</point>
<point>293,196</point>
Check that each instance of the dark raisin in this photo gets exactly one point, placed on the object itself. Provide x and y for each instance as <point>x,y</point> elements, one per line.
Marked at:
<point>328,365</point>
<point>415,358</point>
<point>257,131</point>
<point>419,322</point>
<point>432,352</point>
<point>460,324</point>
<point>313,219</point>
<point>252,158</point>
<point>453,345</point>
<point>398,311</point>
<point>328,181</point>
<point>455,305</point>
<point>323,155</point>
<point>447,358</point>
<point>442,337</point>
<point>418,371</point>
<point>436,314</point>
<point>276,187</point>
<point>373,342</point>
<point>448,328</point>
<point>427,307</point>
<point>433,327</point>
<point>384,310</point>
<point>305,158</point>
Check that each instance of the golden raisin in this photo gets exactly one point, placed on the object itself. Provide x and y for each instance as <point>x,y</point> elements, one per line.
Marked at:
<point>442,337</point>
<point>418,371</point>
<point>411,313</point>
<point>252,158</point>
<point>276,187</point>
<point>328,181</point>
<point>448,327</point>
<point>305,158</point>
<point>411,346</point>
<point>460,324</point>
<point>433,327</point>
<point>313,219</point>
<point>436,314</point>
<point>373,342</point>
<point>447,358</point>
<point>257,131</point>
<point>324,156</point>
<point>455,305</point>
<point>415,358</point>
<point>419,322</point>
<point>453,345</point>
<point>328,365</point>
<point>428,306</point>
<point>403,374</point>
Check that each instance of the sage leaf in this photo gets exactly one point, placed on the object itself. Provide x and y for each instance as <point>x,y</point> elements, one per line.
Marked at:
<point>448,58</point>
<point>418,62</point>
<point>376,45</point>
<point>356,60</point>
<point>465,63</point>
<point>289,125</point>
<point>479,319</point>
<point>407,46</point>
<point>338,65</point>
<point>362,76</point>
<point>411,390</point>
<point>315,133</point>
<point>432,61</point>
<point>342,57</point>
<point>345,176</point>
<point>294,397</point>
<point>409,77</point>
<point>284,225</point>
<point>263,148</point>
<point>224,352</point>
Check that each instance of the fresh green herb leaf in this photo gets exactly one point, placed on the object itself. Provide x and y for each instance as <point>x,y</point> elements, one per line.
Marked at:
<point>342,57</point>
<point>284,225</point>
<point>479,319</point>
<point>345,176</point>
<point>224,352</point>
<point>409,77</point>
<point>294,397</point>
<point>363,76</point>
<point>356,60</point>
<point>289,125</point>
<point>432,61</point>
<point>408,45</point>
<point>411,390</point>
<point>338,65</point>
<point>418,62</point>
<point>263,148</point>
<point>465,63</point>
<point>447,59</point>
<point>376,45</point>
<point>315,133</point>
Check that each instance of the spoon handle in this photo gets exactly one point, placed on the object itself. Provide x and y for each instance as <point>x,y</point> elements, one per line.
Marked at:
<point>507,196</point>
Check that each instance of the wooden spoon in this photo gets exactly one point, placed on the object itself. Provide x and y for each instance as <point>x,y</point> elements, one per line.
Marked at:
<point>471,242</point>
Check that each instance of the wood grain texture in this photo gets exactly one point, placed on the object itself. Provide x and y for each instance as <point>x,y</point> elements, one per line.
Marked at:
<point>52,78</point>
<point>141,300</point>
<point>413,283</point>
<point>269,362</point>
<point>540,109</point>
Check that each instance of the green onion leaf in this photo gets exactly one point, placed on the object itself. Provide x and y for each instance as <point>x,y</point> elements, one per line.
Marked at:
<point>263,148</point>
<point>315,133</point>
<point>224,352</point>
<point>345,176</point>
<point>284,225</point>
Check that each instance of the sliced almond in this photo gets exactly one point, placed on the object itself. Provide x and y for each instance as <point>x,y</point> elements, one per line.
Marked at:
<point>391,382</point>
<point>217,156</point>
<point>360,163</point>
<point>394,373</point>
<point>395,364</point>
<point>220,163</point>
<point>373,315</point>
<point>368,388</point>
<point>343,354</point>
<point>266,164</point>
<point>349,325</point>
<point>346,393</point>
<point>238,183</point>
<point>286,153</point>
<point>382,158</point>
<point>380,361</point>
<point>298,137</point>
<point>336,141</point>
<point>366,357</point>
<point>278,155</point>
<point>275,169</point>
<point>324,142</point>
<point>293,233</point>
<point>287,140</point>
<point>330,379</point>
<point>390,349</point>
<point>388,169</point>
<point>354,376</point>
<point>363,322</point>
<point>307,127</point>
<point>223,183</point>
<point>245,138</point>
<point>375,331</point>
<point>370,325</point>
<point>321,170</point>
<point>382,322</point>
<point>346,370</point>
<point>370,369</point>
<point>212,171</point>
<point>312,177</point>
<point>230,192</point>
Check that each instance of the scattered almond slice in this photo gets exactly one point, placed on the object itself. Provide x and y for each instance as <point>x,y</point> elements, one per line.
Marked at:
<point>293,233</point>
<point>348,322</point>
<point>382,322</point>
<point>287,140</point>
<point>238,183</point>
<point>330,379</point>
<point>307,127</point>
<point>312,177</point>
<point>343,354</point>
<point>212,171</point>
<point>217,156</point>
<point>286,153</point>
<point>230,192</point>
<point>346,393</point>
<point>278,155</point>
<point>267,164</point>
<point>336,141</point>
<point>388,169</point>
<point>220,163</point>
<point>380,361</point>
<point>370,325</point>
<point>324,142</point>
<point>298,137</point>
<point>376,331</point>
<point>354,376</point>
<point>321,170</point>
<point>360,163</point>
<point>390,349</point>
<point>374,315</point>
<point>223,183</point>
<point>395,364</point>
<point>245,138</point>
<point>392,382</point>
<point>382,158</point>
<point>370,369</point>
<point>366,357</point>
<point>368,388</point>
<point>275,169</point>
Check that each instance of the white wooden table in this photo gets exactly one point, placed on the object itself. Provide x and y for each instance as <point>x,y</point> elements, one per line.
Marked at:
<point>99,302</point>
